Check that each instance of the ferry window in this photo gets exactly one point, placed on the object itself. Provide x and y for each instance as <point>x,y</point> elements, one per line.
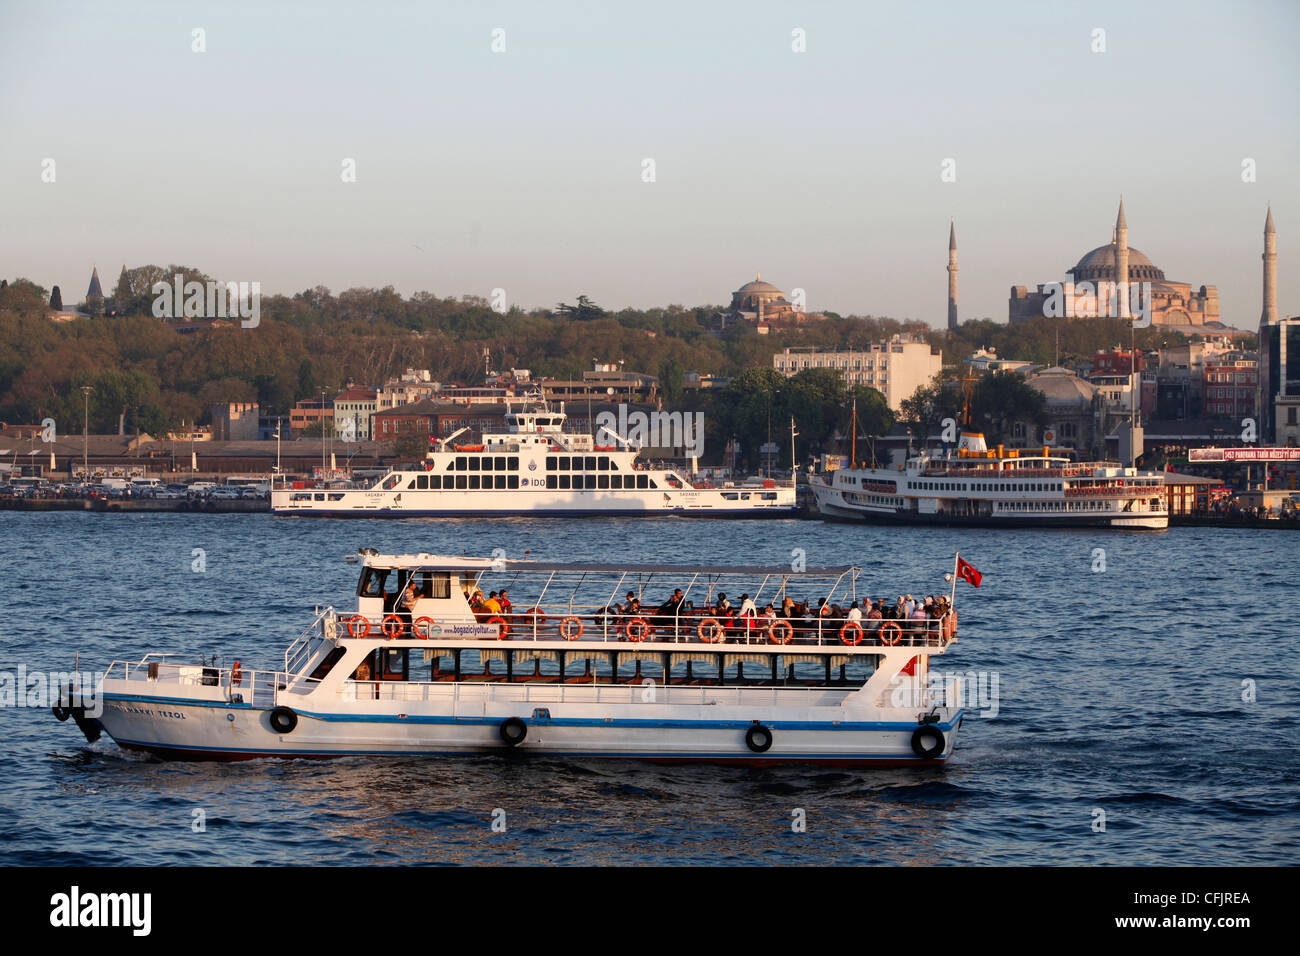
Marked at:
<point>372,582</point>
<point>462,482</point>
<point>460,463</point>
<point>435,482</point>
<point>590,463</point>
<point>603,463</point>
<point>513,481</point>
<point>564,463</point>
<point>513,462</point>
<point>474,463</point>
<point>473,482</point>
<point>337,496</point>
<point>643,481</point>
<point>487,463</point>
<point>391,482</point>
<point>318,497</point>
<point>500,463</point>
<point>655,484</point>
<point>591,482</point>
<point>616,481</point>
<point>602,481</point>
<point>550,462</point>
<point>422,482</point>
<point>552,482</point>
<point>500,482</point>
<point>410,484</point>
<point>564,482</point>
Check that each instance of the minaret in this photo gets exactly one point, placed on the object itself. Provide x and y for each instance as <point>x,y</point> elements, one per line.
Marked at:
<point>952,275</point>
<point>1121,261</point>
<point>1269,315</point>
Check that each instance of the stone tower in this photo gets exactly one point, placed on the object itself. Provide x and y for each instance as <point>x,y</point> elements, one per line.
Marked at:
<point>952,275</point>
<point>94,284</point>
<point>1269,315</point>
<point>1121,261</point>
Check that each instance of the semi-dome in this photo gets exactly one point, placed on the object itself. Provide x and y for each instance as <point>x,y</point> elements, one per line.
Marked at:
<point>1100,264</point>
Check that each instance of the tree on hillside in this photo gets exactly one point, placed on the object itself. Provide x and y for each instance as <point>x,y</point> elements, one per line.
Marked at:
<point>56,300</point>
<point>671,376</point>
<point>584,310</point>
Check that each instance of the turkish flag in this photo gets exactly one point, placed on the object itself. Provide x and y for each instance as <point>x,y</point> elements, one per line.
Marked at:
<point>968,572</point>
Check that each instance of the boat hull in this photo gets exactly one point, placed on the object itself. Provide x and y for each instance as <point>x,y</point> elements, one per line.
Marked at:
<point>189,730</point>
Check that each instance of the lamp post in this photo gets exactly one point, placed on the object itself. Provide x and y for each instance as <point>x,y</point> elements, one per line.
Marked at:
<point>85,433</point>
<point>322,433</point>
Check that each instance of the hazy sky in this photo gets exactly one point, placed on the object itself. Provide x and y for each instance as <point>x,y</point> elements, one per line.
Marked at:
<point>523,169</point>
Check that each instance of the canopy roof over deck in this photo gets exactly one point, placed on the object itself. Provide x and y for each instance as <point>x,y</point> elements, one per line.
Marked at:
<point>442,562</point>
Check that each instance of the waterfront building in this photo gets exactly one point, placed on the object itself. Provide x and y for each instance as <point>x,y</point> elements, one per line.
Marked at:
<point>353,409</point>
<point>309,412</point>
<point>895,368</point>
<point>235,421</point>
<point>1230,387</point>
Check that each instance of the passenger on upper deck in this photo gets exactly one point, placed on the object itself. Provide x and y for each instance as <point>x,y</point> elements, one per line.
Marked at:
<point>504,600</point>
<point>723,607</point>
<point>492,604</point>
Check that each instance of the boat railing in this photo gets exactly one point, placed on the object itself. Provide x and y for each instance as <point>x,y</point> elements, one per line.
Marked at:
<point>639,691</point>
<point>585,624</point>
<point>257,688</point>
<point>306,645</point>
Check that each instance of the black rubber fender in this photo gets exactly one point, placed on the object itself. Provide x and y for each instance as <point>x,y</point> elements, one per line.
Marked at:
<point>512,731</point>
<point>924,733</point>
<point>61,713</point>
<point>283,720</point>
<point>758,738</point>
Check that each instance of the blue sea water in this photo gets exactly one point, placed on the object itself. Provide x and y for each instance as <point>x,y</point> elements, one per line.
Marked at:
<point>1159,694</point>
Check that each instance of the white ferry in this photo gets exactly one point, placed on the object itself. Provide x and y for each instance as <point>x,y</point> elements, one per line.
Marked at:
<point>974,485</point>
<point>535,467</point>
<point>560,670</point>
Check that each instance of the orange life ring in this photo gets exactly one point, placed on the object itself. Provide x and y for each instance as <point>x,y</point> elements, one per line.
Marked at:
<point>365,626</point>
<point>710,630</point>
<point>786,627</point>
<point>505,626</point>
<point>637,629</point>
<point>391,625</point>
<point>566,628</point>
<point>533,616</point>
<point>889,627</point>
<point>236,675</point>
<point>844,633</point>
<point>415,627</point>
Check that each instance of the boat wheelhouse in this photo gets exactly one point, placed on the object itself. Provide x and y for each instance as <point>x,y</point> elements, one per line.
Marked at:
<point>535,467</point>
<point>974,485</point>
<point>581,660</point>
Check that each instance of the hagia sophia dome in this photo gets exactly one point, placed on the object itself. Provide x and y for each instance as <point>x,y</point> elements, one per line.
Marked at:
<point>1099,264</point>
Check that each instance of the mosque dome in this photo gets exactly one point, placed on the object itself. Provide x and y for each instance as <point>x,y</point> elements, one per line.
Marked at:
<point>1099,264</point>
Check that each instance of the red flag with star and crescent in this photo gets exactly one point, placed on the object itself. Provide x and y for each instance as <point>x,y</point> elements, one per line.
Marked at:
<point>967,571</point>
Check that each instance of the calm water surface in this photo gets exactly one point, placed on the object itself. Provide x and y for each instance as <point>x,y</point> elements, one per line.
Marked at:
<point>1121,691</point>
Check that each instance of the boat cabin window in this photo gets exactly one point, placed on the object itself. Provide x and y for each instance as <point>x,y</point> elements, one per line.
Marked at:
<point>391,482</point>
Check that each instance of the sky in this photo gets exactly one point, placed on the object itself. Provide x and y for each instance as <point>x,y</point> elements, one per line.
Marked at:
<point>524,169</point>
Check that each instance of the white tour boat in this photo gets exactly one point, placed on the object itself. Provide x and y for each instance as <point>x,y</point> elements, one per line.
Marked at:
<point>535,467</point>
<point>973,485</point>
<point>562,669</point>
